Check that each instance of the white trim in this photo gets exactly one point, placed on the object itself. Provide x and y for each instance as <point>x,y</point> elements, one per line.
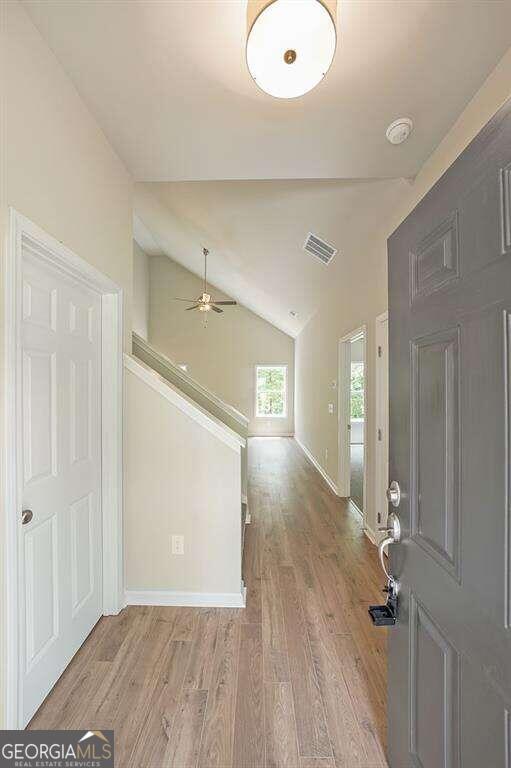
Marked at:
<point>343,408</point>
<point>380,472</point>
<point>271,434</point>
<point>286,393</point>
<point>343,415</point>
<point>371,535</point>
<point>24,234</point>
<point>186,599</point>
<point>184,403</point>
<point>112,409</point>
<point>185,377</point>
<point>248,516</point>
<point>355,506</point>
<point>318,466</point>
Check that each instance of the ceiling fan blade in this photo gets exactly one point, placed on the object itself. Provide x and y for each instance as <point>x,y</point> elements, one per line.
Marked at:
<point>215,309</point>
<point>190,301</point>
<point>194,307</point>
<point>226,303</point>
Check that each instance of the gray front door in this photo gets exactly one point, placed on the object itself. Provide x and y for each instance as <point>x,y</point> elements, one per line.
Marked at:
<point>450,410</point>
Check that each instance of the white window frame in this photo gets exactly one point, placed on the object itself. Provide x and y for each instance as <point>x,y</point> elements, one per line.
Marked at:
<point>286,384</point>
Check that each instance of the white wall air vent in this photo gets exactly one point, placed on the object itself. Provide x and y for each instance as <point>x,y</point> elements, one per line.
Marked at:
<point>321,250</point>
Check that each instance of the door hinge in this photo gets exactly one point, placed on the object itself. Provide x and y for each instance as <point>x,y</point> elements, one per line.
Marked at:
<point>380,351</point>
<point>379,517</point>
<point>379,434</point>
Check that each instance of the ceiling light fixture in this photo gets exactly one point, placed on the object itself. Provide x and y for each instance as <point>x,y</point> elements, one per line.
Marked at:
<point>290,44</point>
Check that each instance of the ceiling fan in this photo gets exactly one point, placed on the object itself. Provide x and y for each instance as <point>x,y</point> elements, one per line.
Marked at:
<point>204,303</point>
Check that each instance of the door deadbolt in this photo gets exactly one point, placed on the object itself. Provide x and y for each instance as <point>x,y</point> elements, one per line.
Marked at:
<point>394,494</point>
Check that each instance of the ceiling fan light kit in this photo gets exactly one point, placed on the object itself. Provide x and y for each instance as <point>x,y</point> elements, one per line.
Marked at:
<point>205,303</point>
<point>290,44</point>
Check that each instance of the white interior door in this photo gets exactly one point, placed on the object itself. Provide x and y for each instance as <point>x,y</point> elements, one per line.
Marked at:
<point>60,547</point>
<point>382,419</point>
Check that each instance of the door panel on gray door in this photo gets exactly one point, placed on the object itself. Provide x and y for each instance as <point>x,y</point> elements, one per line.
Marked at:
<point>434,688</point>
<point>434,492</point>
<point>434,263</point>
<point>450,406</point>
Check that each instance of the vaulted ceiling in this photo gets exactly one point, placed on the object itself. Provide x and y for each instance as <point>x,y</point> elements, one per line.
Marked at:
<point>168,83</point>
<point>255,231</point>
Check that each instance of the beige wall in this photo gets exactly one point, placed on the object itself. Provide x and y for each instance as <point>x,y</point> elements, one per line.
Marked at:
<point>360,293</point>
<point>222,356</point>
<point>168,493</point>
<point>140,309</point>
<point>56,165</point>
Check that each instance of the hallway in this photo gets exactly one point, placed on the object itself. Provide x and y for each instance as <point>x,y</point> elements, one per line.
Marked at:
<point>297,679</point>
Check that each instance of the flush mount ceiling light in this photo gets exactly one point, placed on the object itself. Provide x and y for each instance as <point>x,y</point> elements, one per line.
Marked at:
<point>290,44</point>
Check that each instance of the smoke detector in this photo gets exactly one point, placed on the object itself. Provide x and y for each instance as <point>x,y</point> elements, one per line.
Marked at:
<point>399,130</point>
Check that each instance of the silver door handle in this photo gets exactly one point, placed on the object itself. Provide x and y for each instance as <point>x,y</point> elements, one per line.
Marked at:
<point>26,516</point>
<point>393,531</point>
<point>394,494</point>
<point>381,553</point>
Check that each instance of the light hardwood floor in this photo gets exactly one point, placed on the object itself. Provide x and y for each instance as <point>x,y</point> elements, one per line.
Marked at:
<point>296,680</point>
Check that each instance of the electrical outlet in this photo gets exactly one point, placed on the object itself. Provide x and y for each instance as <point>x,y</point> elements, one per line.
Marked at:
<point>330,407</point>
<point>178,545</point>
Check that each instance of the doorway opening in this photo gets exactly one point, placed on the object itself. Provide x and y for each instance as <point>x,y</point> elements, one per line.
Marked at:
<point>352,417</point>
<point>357,421</point>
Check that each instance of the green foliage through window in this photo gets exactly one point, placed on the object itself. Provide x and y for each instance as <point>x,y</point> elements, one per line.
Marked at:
<point>357,391</point>
<point>271,390</point>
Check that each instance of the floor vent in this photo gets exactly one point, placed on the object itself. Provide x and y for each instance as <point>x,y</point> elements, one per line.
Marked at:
<point>319,248</point>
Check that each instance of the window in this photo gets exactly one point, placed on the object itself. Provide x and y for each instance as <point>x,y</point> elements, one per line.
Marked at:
<point>357,391</point>
<point>271,391</point>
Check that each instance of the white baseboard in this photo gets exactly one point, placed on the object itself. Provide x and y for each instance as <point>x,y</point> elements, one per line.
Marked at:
<point>271,434</point>
<point>374,536</point>
<point>171,597</point>
<point>244,500</point>
<point>318,466</point>
<point>356,507</point>
<point>371,535</point>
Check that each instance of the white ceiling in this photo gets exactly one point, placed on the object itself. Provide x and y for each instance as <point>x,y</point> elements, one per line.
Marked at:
<point>255,231</point>
<point>249,175</point>
<point>168,82</point>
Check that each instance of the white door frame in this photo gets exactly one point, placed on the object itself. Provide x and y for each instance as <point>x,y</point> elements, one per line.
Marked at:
<point>343,411</point>
<point>381,467</point>
<point>24,234</point>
